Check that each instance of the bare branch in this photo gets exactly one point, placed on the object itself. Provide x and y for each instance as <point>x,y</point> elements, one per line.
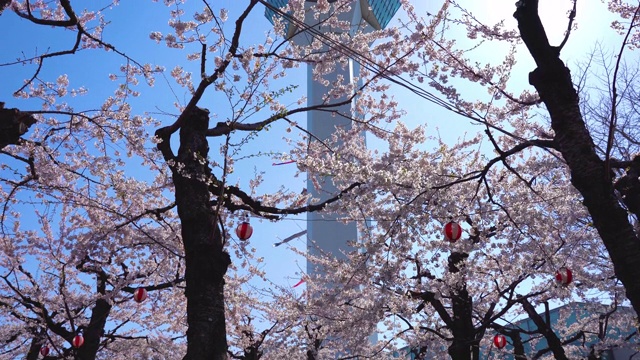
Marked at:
<point>218,73</point>
<point>614,95</point>
<point>572,17</point>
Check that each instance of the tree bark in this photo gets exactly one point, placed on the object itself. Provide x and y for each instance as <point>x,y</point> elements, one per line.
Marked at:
<point>99,314</point>
<point>4,4</point>
<point>461,348</point>
<point>553,341</point>
<point>93,332</point>
<point>589,175</point>
<point>518,346</point>
<point>629,186</point>
<point>34,348</point>
<point>13,124</point>
<point>205,257</point>
<point>464,333</point>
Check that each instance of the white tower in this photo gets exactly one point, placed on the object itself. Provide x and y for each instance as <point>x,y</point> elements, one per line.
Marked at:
<point>326,235</point>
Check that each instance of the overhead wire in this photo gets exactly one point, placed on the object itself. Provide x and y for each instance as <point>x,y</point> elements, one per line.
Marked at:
<point>377,69</point>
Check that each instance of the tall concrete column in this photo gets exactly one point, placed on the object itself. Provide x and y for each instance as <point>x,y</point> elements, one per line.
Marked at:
<point>326,235</point>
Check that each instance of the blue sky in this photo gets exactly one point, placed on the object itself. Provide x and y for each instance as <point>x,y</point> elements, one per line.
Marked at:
<point>131,24</point>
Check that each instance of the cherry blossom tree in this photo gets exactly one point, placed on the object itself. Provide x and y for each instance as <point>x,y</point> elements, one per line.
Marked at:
<point>104,231</point>
<point>465,295</point>
<point>609,209</point>
<point>571,143</point>
<point>441,297</point>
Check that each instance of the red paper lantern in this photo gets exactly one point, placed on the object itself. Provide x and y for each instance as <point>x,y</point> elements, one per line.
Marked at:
<point>78,340</point>
<point>139,295</point>
<point>244,230</point>
<point>499,341</point>
<point>564,276</point>
<point>44,351</point>
<point>452,231</point>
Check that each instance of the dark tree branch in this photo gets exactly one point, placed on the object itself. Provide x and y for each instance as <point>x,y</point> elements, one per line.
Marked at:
<point>430,298</point>
<point>589,174</point>
<point>13,124</point>
<point>3,5</point>
<point>572,16</point>
<point>533,34</point>
<point>516,341</point>
<point>208,80</point>
<point>165,285</point>
<point>225,128</point>
<point>45,56</point>
<point>545,329</point>
<point>72,21</point>
<point>66,5</point>
<point>256,207</point>
<point>155,212</point>
<point>629,186</point>
<point>481,174</point>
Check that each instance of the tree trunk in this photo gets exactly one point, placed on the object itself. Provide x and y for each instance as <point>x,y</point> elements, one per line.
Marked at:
<point>461,348</point>
<point>464,339</point>
<point>34,348</point>
<point>589,175</point>
<point>93,332</point>
<point>518,346</point>
<point>206,259</point>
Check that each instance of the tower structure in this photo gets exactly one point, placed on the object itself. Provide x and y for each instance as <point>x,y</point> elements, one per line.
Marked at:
<point>326,235</point>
